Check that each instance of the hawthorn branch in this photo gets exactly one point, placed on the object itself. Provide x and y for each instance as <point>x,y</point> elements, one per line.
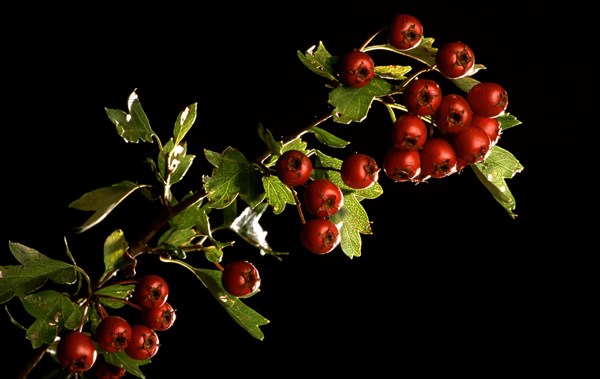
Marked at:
<point>141,245</point>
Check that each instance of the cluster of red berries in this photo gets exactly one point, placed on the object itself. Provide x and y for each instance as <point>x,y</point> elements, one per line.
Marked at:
<point>322,197</point>
<point>463,128</point>
<point>77,350</point>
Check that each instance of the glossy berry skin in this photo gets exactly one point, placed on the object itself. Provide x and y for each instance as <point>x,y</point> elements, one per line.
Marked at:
<point>405,32</point>
<point>409,132</point>
<point>472,145</point>
<point>438,158</point>
<point>455,60</point>
<point>293,168</point>
<point>454,114</point>
<point>113,334</point>
<point>159,318</point>
<point>76,352</point>
<point>488,99</point>
<point>402,165</point>
<point>422,97</point>
<point>144,343</point>
<point>240,278</point>
<point>320,235</point>
<point>323,198</point>
<point>359,171</point>
<point>490,125</point>
<point>356,69</point>
<point>151,291</point>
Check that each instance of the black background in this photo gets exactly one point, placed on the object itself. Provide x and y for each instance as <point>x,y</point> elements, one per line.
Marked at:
<point>448,282</point>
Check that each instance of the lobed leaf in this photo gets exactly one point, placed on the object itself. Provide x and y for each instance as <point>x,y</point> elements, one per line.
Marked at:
<point>233,175</point>
<point>266,136</point>
<point>35,271</point>
<point>52,310</point>
<point>133,126</point>
<point>277,194</point>
<point>319,60</point>
<point>353,104</point>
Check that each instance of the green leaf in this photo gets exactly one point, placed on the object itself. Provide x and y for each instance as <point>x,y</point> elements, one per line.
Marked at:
<point>295,144</point>
<point>133,126</point>
<point>492,172</point>
<point>267,137</point>
<point>52,310</point>
<point>173,158</point>
<point>353,104</point>
<point>327,138</point>
<point>245,316</point>
<point>233,175</point>
<point>177,237</point>
<point>393,72</point>
<point>102,201</point>
<point>35,271</point>
<point>182,165</point>
<point>121,359</point>
<point>354,222</point>
<point>41,333</point>
<point>109,295</point>
<point>507,121</point>
<point>185,120</point>
<point>277,193</point>
<point>115,250</point>
<point>319,60</point>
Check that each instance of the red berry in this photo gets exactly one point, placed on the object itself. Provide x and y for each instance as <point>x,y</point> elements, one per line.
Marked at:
<point>472,145</point>
<point>356,69</point>
<point>455,59</point>
<point>490,125</point>
<point>454,114</point>
<point>104,370</point>
<point>320,235</point>
<point>76,351</point>
<point>323,198</point>
<point>405,32</point>
<point>241,278</point>
<point>113,334</point>
<point>151,291</point>
<point>488,99</point>
<point>409,132</point>
<point>159,318</point>
<point>402,165</point>
<point>144,343</point>
<point>438,158</point>
<point>293,168</point>
<point>422,97</point>
<point>359,171</point>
